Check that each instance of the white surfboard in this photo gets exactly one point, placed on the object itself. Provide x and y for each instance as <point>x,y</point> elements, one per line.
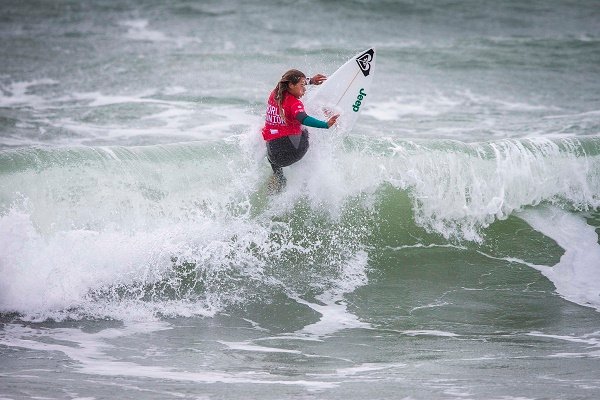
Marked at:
<point>345,92</point>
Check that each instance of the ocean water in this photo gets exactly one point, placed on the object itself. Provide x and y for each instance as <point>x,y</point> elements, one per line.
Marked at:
<point>446,248</point>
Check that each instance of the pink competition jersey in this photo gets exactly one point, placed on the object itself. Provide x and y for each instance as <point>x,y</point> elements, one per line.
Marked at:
<point>275,127</point>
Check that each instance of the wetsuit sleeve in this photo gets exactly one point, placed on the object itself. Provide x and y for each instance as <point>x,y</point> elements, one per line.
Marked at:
<point>310,121</point>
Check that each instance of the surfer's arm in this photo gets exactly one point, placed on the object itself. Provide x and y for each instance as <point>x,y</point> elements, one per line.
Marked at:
<point>307,120</point>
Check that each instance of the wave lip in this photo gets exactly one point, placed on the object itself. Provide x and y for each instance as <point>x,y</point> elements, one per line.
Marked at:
<point>457,189</point>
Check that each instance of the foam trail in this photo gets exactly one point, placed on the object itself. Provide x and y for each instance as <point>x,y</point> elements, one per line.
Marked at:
<point>577,275</point>
<point>91,354</point>
<point>334,310</point>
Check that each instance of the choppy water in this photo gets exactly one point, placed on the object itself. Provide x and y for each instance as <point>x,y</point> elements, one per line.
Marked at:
<point>445,248</point>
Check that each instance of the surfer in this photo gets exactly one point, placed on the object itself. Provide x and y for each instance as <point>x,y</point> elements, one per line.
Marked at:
<point>286,139</point>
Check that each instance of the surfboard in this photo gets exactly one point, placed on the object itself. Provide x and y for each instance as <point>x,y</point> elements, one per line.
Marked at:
<point>345,92</point>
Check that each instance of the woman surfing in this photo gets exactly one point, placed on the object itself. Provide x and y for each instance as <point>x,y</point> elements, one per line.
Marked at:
<point>286,139</point>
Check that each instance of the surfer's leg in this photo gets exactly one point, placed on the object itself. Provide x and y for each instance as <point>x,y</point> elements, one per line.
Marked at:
<point>277,155</point>
<point>282,153</point>
<point>277,181</point>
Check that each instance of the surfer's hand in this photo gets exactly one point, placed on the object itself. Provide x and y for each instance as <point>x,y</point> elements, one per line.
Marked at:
<point>317,79</point>
<point>332,120</point>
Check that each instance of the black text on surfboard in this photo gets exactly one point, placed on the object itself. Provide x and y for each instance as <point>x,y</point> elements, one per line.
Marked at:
<point>364,61</point>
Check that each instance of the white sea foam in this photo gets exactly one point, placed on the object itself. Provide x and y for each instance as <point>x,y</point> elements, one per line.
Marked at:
<point>457,192</point>
<point>54,274</point>
<point>590,341</point>
<point>328,177</point>
<point>592,113</point>
<point>157,119</point>
<point>399,107</point>
<point>424,246</point>
<point>49,274</point>
<point>333,309</point>
<point>173,90</point>
<point>127,223</point>
<point>18,93</point>
<point>98,99</point>
<point>430,305</point>
<point>137,29</point>
<point>364,371</point>
<point>162,119</point>
<point>577,274</point>
<point>249,346</point>
<point>438,103</point>
<point>118,223</point>
<point>425,332</point>
<point>92,354</point>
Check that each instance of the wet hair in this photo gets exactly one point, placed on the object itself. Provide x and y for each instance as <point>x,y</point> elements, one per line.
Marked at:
<point>292,76</point>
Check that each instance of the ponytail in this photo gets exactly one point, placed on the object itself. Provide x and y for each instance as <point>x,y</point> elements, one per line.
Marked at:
<point>292,76</point>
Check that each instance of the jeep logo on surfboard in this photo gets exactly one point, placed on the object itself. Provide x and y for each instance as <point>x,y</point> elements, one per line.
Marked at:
<point>364,61</point>
<point>359,99</point>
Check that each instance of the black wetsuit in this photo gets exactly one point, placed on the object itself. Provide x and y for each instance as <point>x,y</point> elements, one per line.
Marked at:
<point>287,150</point>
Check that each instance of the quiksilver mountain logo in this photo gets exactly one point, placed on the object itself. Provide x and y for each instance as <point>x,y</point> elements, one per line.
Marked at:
<point>364,61</point>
